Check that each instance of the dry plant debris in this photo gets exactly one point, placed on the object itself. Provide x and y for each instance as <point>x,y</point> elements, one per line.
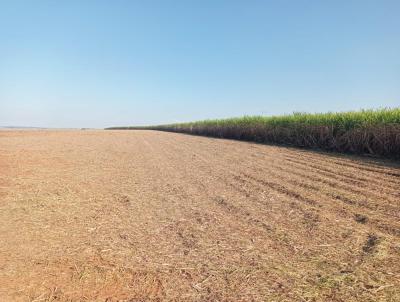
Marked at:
<point>156,216</point>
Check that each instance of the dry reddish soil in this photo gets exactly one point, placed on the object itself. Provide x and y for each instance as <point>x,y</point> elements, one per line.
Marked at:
<point>154,216</point>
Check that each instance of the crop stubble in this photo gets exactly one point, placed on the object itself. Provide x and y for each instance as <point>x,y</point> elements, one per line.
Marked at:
<point>146,215</point>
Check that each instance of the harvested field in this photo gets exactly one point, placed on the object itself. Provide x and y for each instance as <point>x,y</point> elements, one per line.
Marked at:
<point>157,216</point>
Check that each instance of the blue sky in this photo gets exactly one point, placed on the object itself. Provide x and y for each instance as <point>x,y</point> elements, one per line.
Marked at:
<point>103,63</point>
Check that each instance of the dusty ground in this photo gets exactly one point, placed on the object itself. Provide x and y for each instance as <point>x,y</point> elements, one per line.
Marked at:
<point>152,216</point>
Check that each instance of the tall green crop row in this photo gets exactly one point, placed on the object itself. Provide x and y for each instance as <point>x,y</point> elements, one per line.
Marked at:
<point>374,132</point>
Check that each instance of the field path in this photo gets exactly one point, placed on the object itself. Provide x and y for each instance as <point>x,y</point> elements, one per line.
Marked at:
<point>156,216</point>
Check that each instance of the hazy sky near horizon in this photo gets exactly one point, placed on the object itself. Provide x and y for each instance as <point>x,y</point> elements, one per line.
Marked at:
<point>106,63</point>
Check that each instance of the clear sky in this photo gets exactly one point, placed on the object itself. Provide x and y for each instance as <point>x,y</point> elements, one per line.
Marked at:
<point>105,63</point>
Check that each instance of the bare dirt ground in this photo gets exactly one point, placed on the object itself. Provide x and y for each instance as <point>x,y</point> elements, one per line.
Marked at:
<point>153,216</point>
